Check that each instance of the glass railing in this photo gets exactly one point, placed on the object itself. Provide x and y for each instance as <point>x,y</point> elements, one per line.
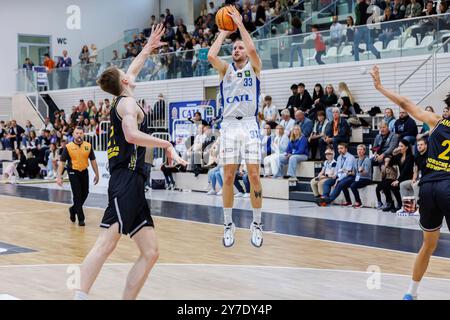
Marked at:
<point>301,16</point>
<point>381,40</point>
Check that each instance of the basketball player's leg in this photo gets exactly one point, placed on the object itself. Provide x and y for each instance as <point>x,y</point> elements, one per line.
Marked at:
<point>92,264</point>
<point>229,172</point>
<point>256,200</point>
<point>430,241</point>
<point>255,186</point>
<point>147,243</point>
<point>434,201</point>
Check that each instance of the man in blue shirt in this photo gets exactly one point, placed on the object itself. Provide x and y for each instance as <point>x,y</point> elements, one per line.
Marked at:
<point>64,63</point>
<point>305,123</point>
<point>345,176</point>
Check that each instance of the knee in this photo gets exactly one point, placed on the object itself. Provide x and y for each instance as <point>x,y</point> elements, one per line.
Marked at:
<point>106,248</point>
<point>253,177</point>
<point>429,247</point>
<point>228,179</point>
<point>151,255</point>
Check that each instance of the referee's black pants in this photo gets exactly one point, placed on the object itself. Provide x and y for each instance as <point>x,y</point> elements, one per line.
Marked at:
<point>79,182</point>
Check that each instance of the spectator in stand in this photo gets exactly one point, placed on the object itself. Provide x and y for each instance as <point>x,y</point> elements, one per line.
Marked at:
<point>32,142</point>
<point>248,23</point>
<point>52,159</point>
<point>404,159</point>
<point>266,141</point>
<point>82,108</point>
<point>64,63</point>
<point>338,131</point>
<point>304,99</point>
<point>425,131</point>
<point>293,101</point>
<point>159,111</point>
<point>319,44</point>
<point>84,60</point>
<point>278,147</point>
<point>296,41</point>
<point>399,10</point>
<point>350,30</point>
<point>406,127</point>
<point>414,9</point>
<point>28,64</point>
<point>328,173</point>
<point>261,18</point>
<point>409,188</point>
<point>363,178</point>
<point>389,174</point>
<point>15,135</point>
<point>316,139</point>
<point>389,29</point>
<point>28,128</point>
<point>328,100</point>
<point>49,65</point>
<point>287,122</point>
<point>384,144</point>
<point>270,112</point>
<point>317,95</point>
<point>91,109</point>
<point>297,151</point>
<point>305,124</point>
<point>211,8</point>
<point>168,169</point>
<point>74,115</point>
<point>362,32</point>
<point>345,176</point>
<point>336,32</point>
<point>389,118</point>
<point>169,18</point>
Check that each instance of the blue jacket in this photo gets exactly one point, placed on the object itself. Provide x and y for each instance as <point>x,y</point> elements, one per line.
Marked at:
<point>306,126</point>
<point>298,147</point>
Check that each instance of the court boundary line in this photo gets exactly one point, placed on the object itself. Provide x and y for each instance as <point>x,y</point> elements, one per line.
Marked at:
<point>219,265</point>
<point>239,228</point>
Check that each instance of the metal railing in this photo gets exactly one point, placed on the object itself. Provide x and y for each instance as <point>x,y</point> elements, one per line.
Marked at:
<point>430,67</point>
<point>159,153</point>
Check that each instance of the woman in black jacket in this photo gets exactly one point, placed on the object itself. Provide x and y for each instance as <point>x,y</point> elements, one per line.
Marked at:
<point>404,159</point>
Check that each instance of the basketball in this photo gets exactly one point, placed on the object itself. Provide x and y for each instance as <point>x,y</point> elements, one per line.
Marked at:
<point>224,21</point>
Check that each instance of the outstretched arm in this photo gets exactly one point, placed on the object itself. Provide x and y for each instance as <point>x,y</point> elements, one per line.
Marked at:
<point>153,43</point>
<point>248,41</point>
<point>213,58</point>
<point>403,102</point>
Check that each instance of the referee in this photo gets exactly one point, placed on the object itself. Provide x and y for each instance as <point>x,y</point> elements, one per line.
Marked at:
<point>77,154</point>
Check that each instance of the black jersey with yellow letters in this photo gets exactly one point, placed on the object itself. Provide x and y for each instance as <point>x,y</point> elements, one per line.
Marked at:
<point>122,154</point>
<point>438,161</point>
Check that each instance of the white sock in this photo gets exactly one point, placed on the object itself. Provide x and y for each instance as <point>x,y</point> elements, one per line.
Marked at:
<point>257,215</point>
<point>413,286</point>
<point>227,215</point>
<point>80,295</point>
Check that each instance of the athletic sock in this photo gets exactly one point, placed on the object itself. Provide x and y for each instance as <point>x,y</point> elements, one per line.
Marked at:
<point>413,286</point>
<point>80,295</point>
<point>227,215</point>
<point>257,215</point>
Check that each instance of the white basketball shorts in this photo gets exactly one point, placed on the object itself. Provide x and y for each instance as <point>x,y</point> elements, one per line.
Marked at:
<point>240,140</point>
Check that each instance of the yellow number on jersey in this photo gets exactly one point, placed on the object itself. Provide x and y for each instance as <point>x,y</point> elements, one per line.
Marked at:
<point>444,155</point>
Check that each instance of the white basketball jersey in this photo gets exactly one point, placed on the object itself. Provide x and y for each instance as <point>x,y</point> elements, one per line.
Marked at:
<point>240,91</point>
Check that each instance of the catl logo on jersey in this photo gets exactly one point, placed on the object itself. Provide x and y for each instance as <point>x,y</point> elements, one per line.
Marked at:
<point>242,98</point>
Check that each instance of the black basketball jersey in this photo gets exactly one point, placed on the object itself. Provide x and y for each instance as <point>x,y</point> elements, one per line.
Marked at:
<point>438,161</point>
<point>122,154</point>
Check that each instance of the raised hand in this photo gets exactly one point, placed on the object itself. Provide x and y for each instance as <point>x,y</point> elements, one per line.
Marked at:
<point>154,41</point>
<point>375,73</point>
<point>236,16</point>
